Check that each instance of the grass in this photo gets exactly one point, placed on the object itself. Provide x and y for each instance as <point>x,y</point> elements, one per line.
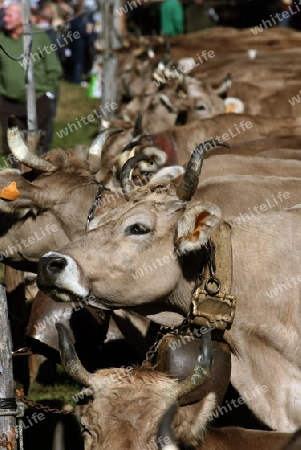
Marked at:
<point>60,392</point>
<point>62,388</point>
<point>73,103</point>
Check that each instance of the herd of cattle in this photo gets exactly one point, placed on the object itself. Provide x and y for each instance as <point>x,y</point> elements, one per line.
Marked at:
<point>123,228</point>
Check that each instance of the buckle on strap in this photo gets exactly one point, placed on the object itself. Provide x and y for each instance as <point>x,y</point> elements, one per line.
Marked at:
<point>212,305</point>
<point>216,311</point>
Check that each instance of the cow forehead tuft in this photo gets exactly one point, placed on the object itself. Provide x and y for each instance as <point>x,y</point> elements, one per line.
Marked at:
<point>66,159</point>
<point>155,201</point>
<point>156,188</point>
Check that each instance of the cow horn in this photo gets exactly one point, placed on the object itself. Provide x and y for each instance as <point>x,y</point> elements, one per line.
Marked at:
<point>20,150</point>
<point>123,159</point>
<point>70,361</point>
<point>129,151</point>
<point>165,429</point>
<point>126,171</point>
<point>97,146</point>
<point>137,140</point>
<point>191,176</point>
<point>202,368</point>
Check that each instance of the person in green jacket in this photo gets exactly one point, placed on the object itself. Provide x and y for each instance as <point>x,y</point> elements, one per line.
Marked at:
<point>172,18</point>
<point>47,72</point>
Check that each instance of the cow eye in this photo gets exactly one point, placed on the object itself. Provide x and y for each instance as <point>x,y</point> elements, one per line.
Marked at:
<point>200,107</point>
<point>137,228</point>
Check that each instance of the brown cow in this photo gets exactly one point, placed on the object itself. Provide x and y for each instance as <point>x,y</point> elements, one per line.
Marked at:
<point>232,128</point>
<point>51,210</point>
<point>44,215</point>
<point>126,407</point>
<point>159,222</point>
<point>250,165</point>
<point>40,206</point>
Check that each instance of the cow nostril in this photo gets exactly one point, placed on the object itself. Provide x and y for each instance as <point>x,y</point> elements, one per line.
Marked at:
<point>56,264</point>
<point>49,270</point>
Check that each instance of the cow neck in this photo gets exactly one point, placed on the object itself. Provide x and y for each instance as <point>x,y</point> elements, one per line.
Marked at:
<point>209,304</point>
<point>165,142</point>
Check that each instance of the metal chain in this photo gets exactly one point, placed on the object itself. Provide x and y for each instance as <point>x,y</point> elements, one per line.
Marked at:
<point>210,247</point>
<point>20,434</point>
<point>5,442</point>
<point>35,405</point>
<point>18,412</point>
<point>185,324</point>
<point>212,279</point>
<point>153,349</point>
<point>18,58</point>
<point>163,331</point>
<point>19,415</point>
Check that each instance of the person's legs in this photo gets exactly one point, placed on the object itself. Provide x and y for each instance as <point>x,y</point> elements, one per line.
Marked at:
<point>44,116</point>
<point>77,71</point>
<point>286,23</point>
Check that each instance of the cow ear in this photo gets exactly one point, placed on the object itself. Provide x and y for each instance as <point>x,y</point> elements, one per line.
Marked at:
<point>16,194</point>
<point>192,420</point>
<point>196,226</point>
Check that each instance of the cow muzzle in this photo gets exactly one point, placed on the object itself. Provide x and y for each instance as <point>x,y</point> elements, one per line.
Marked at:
<point>59,276</point>
<point>51,267</point>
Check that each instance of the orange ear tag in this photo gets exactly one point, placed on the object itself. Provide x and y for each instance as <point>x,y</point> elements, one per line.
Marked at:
<point>10,192</point>
<point>230,108</point>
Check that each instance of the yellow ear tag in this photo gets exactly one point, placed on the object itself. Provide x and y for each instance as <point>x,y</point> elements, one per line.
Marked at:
<point>10,192</point>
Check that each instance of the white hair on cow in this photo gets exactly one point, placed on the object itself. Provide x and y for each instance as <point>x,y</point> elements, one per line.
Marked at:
<point>167,174</point>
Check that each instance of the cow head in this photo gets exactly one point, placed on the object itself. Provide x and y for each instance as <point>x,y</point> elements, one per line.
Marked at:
<point>52,201</point>
<point>125,405</point>
<point>193,100</point>
<point>144,255</point>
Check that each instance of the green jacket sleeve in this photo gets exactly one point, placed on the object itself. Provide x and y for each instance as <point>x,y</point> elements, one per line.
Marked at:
<point>52,65</point>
